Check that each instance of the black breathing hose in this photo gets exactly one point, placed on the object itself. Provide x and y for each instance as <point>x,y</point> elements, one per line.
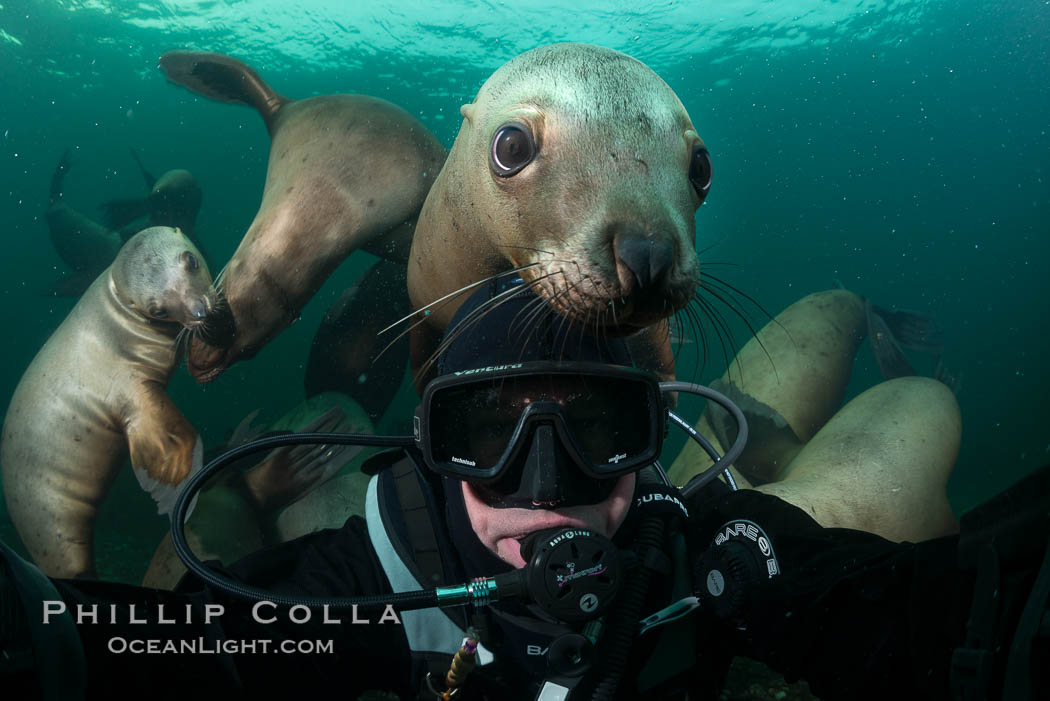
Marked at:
<point>403,601</point>
<point>628,612</point>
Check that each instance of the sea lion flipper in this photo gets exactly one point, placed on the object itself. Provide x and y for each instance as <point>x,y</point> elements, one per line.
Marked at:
<point>913,330</point>
<point>888,353</point>
<point>59,176</point>
<point>165,449</point>
<point>222,78</point>
<point>150,179</point>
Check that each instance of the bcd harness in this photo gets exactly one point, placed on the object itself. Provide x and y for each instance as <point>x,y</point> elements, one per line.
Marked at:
<point>412,555</point>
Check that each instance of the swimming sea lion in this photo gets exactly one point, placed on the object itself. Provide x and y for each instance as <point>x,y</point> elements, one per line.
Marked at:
<point>174,200</point>
<point>288,492</point>
<point>880,463</point>
<point>88,247</point>
<point>345,172</point>
<point>82,243</point>
<point>95,394</point>
<point>579,166</point>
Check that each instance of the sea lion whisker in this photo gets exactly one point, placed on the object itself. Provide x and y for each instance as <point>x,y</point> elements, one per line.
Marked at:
<point>527,248</point>
<point>529,310</point>
<point>699,362</point>
<point>743,317</point>
<point>710,283</point>
<point>472,318</point>
<point>455,293</point>
<point>721,328</point>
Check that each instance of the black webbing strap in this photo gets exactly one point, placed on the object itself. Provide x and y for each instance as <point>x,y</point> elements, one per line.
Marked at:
<point>418,524</point>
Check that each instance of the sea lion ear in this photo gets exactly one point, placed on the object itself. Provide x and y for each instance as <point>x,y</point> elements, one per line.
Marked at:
<point>467,111</point>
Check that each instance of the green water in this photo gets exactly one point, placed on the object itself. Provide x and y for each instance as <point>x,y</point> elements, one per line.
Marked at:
<point>899,148</point>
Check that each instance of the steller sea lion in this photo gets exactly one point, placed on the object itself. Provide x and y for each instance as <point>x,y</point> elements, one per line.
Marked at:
<point>174,199</point>
<point>88,247</point>
<point>578,166</point>
<point>345,172</point>
<point>880,463</point>
<point>95,394</point>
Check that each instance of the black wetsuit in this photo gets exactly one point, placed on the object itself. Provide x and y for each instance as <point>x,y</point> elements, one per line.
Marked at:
<point>856,616</point>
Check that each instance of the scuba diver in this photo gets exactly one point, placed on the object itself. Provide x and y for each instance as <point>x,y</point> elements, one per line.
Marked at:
<point>525,544</point>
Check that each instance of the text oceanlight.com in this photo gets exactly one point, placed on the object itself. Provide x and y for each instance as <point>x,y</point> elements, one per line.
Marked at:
<point>204,646</point>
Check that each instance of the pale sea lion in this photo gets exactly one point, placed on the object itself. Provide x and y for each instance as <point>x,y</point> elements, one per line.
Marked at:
<point>345,172</point>
<point>289,492</point>
<point>579,166</point>
<point>88,246</point>
<point>880,463</point>
<point>95,395</point>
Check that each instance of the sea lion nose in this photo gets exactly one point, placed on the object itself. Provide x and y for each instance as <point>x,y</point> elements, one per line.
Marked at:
<point>648,258</point>
<point>200,309</point>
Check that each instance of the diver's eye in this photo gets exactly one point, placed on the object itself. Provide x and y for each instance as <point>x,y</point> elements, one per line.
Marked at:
<point>159,313</point>
<point>191,260</point>
<point>512,150</point>
<point>700,172</point>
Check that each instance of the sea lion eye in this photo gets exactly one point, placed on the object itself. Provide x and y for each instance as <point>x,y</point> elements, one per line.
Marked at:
<point>159,313</point>
<point>191,260</point>
<point>512,150</point>
<point>700,172</point>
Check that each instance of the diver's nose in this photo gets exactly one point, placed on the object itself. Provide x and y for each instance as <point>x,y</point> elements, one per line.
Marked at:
<point>647,258</point>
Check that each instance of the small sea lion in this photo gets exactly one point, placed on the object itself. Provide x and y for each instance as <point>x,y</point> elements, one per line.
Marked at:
<point>88,247</point>
<point>174,200</point>
<point>345,172</point>
<point>95,394</point>
<point>82,243</point>
<point>579,167</point>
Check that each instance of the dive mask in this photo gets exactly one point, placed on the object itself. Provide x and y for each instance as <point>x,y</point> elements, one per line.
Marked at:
<point>546,431</point>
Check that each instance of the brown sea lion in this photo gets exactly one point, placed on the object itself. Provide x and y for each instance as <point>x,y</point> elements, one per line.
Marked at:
<point>578,166</point>
<point>880,463</point>
<point>345,172</point>
<point>174,199</point>
<point>95,394</point>
<point>88,246</point>
<point>289,492</point>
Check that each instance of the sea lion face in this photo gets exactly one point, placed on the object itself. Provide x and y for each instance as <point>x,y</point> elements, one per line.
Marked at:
<point>580,164</point>
<point>162,275</point>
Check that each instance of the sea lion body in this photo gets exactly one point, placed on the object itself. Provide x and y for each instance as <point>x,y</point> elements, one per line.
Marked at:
<point>345,172</point>
<point>88,247</point>
<point>95,394</point>
<point>600,220</point>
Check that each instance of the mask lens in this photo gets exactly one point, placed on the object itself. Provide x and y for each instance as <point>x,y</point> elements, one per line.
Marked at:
<point>469,429</point>
<point>610,419</point>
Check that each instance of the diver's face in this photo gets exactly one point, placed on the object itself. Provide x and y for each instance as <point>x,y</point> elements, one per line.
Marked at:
<point>503,513</point>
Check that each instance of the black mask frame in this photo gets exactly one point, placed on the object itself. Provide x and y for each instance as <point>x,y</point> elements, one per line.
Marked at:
<point>631,387</point>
